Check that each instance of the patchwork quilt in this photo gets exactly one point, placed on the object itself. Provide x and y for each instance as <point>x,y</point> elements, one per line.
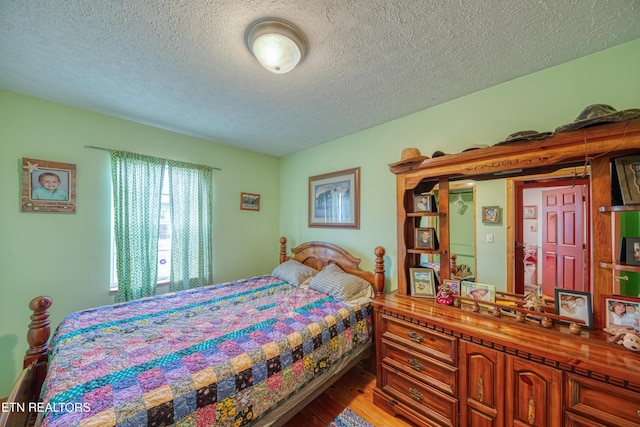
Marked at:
<point>220,355</point>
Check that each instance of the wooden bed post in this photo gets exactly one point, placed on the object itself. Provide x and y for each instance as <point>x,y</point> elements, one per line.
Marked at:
<point>379,270</point>
<point>283,249</point>
<point>38,340</point>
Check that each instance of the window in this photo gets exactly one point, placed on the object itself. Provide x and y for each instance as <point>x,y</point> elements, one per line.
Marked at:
<point>162,221</point>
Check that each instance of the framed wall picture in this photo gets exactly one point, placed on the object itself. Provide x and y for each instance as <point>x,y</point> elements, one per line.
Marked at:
<point>530,212</point>
<point>628,172</point>
<point>632,250</point>
<point>334,199</point>
<point>621,312</point>
<point>478,291</point>
<point>491,214</point>
<point>423,282</point>
<point>574,304</point>
<point>426,238</point>
<point>423,203</point>
<point>249,202</point>
<point>48,186</point>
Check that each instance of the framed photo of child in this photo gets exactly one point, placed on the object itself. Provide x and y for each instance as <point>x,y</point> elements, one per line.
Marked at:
<point>574,304</point>
<point>621,312</point>
<point>48,186</point>
<point>426,238</point>
<point>423,203</point>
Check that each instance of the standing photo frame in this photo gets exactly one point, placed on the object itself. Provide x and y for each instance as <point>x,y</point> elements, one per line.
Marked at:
<point>478,291</point>
<point>423,203</point>
<point>249,202</point>
<point>620,312</point>
<point>628,172</point>
<point>491,214</point>
<point>631,247</point>
<point>48,186</point>
<point>334,199</point>
<point>454,285</point>
<point>426,238</point>
<point>423,282</point>
<point>574,304</point>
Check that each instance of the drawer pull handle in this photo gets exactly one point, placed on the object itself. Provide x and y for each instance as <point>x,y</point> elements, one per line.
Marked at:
<point>415,364</point>
<point>532,411</point>
<point>415,336</point>
<point>481,389</point>
<point>415,394</point>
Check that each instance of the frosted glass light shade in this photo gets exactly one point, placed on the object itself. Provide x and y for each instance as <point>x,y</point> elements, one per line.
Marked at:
<point>276,45</point>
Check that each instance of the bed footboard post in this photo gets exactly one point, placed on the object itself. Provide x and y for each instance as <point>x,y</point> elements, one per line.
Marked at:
<point>379,271</point>
<point>283,249</point>
<point>39,331</point>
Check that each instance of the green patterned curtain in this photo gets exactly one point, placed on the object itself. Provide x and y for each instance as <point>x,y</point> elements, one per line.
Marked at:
<point>191,190</point>
<point>137,186</point>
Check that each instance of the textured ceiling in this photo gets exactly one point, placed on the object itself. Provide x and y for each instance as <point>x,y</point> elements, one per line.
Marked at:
<point>183,64</point>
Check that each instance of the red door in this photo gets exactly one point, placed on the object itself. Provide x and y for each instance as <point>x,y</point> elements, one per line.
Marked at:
<point>563,246</point>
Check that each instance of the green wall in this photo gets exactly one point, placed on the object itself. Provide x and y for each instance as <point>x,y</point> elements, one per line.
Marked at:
<point>540,101</point>
<point>66,256</point>
<point>630,281</point>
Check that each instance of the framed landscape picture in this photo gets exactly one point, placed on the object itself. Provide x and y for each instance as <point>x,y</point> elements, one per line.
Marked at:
<point>334,199</point>
<point>249,202</point>
<point>423,282</point>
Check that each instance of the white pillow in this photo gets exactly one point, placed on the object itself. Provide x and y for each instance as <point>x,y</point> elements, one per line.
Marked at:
<point>334,281</point>
<point>294,272</point>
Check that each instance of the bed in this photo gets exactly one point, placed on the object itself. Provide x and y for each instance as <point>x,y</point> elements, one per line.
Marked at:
<point>246,352</point>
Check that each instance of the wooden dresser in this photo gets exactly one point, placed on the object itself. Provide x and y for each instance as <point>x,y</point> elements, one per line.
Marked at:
<point>446,366</point>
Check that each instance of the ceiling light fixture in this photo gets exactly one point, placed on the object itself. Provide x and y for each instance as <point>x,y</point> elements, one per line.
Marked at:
<point>277,45</point>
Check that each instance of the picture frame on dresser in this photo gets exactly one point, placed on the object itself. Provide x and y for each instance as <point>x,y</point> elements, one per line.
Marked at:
<point>426,238</point>
<point>621,312</point>
<point>423,282</point>
<point>628,173</point>
<point>574,304</point>
<point>632,251</point>
<point>423,203</point>
<point>478,291</point>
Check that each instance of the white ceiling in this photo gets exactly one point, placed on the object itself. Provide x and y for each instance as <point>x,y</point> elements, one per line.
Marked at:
<point>183,65</point>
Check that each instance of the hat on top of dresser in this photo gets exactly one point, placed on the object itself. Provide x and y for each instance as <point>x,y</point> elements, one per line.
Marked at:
<point>475,147</point>
<point>525,135</point>
<point>409,155</point>
<point>599,113</point>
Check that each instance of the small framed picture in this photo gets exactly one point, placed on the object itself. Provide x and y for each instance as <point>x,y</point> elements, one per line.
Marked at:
<point>249,202</point>
<point>426,238</point>
<point>423,203</point>
<point>478,291</point>
<point>530,212</point>
<point>628,171</point>
<point>621,312</point>
<point>632,250</point>
<point>491,214</point>
<point>423,282</point>
<point>454,285</point>
<point>574,304</point>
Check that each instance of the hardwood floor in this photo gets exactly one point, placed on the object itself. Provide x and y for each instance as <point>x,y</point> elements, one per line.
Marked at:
<point>353,390</point>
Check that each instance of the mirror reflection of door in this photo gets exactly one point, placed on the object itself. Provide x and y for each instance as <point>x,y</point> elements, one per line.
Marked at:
<point>551,246</point>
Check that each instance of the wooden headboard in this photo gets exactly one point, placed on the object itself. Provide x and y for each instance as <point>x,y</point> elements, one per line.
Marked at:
<point>319,254</point>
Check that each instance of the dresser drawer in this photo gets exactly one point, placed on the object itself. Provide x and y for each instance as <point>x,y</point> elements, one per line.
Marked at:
<point>433,404</point>
<point>606,403</point>
<point>425,369</point>
<point>421,340</point>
